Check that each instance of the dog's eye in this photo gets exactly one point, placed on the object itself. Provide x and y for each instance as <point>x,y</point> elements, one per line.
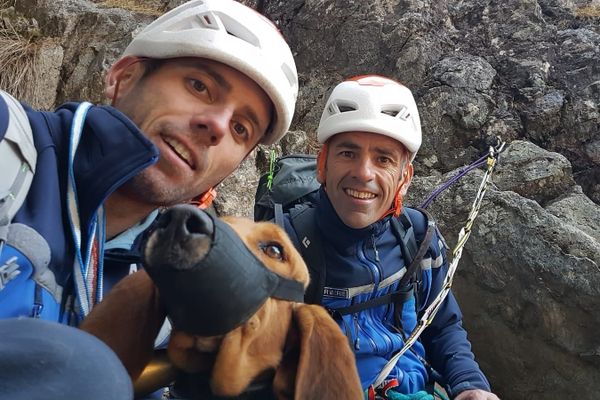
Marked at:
<point>272,250</point>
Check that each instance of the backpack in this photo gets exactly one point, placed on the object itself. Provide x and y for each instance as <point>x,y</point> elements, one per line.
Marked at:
<point>27,286</point>
<point>291,186</point>
<point>290,181</point>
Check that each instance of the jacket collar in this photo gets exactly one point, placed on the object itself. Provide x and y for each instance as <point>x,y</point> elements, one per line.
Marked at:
<point>112,150</point>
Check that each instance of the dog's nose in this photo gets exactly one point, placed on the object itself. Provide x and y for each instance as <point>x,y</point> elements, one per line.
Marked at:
<point>184,220</point>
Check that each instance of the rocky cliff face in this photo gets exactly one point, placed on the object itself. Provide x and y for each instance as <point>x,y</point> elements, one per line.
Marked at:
<point>525,70</point>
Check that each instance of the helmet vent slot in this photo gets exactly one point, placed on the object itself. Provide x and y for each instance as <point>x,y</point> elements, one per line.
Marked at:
<point>345,108</point>
<point>401,112</point>
<point>339,107</point>
<point>208,20</point>
<point>238,30</point>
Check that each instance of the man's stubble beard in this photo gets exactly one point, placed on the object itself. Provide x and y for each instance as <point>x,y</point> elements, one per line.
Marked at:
<point>146,189</point>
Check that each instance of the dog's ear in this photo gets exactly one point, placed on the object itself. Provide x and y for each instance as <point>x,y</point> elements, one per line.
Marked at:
<point>128,320</point>
<point>251,349</point>
<point>326,366</point>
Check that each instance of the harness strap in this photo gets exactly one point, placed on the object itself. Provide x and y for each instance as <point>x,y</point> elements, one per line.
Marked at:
<point>397,297</point>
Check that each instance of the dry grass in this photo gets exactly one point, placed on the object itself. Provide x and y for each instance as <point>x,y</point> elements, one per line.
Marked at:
<point>138,6</point>
<point>17,56</point>
<point>588,11</point>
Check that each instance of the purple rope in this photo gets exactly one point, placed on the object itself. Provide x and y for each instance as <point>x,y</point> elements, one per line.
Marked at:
<point>455,178</point>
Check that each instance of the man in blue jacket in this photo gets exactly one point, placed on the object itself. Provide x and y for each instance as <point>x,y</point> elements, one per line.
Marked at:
<point>370,132</point>
<point>192,96</point>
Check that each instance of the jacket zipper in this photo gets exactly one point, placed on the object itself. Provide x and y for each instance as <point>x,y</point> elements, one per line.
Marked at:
<point>379,328</point>
<point>359,329</point>
<point>373,267</point>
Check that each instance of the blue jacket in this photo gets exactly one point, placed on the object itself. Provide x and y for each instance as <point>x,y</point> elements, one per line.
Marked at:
<point>111,151</point>
<point>366,263</point>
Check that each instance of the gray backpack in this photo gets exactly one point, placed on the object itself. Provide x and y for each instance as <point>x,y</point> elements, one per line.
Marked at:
<point>26,282</point>
<point>17,158</point>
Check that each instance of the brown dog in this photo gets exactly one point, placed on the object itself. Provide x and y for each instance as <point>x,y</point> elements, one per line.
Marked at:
<point>299,345</point>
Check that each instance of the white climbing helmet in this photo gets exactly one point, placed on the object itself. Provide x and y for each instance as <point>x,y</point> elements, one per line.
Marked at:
<point>372,103</point>
<point>233,34</point>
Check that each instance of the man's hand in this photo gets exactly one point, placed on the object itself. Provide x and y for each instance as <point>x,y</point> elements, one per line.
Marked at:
<point>476,394</point>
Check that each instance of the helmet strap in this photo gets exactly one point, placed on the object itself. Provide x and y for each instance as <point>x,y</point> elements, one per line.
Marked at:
<point>205,199</point>
<point>397,207</point>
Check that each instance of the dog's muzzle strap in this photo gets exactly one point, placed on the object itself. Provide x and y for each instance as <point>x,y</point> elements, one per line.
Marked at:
<point>288,289</point>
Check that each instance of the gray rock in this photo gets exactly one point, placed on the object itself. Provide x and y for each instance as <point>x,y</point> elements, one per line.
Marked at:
<point>465,72</point>
<point>533,172</point>
<point>528,285</point>
<point>235,195</point>
<point>578,210</point>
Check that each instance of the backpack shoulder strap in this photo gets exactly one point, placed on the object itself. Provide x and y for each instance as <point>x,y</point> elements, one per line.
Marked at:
<point>303,222</point>
<point>278,214</point>
<point>412,251</point>
<point>404,231</point>
<point>413,254</point>
<point>18,157</point>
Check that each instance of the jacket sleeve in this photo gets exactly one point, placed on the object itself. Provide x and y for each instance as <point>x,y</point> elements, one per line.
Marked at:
<point>446,345</point>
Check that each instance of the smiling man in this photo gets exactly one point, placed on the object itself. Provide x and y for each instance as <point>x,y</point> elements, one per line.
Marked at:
<point>192,96</point>
<point>370,132</point>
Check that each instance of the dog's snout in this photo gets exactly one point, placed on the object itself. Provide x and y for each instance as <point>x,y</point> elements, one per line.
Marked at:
<point>181,237</point>
<point>186,220</point>
<point>199,222</point>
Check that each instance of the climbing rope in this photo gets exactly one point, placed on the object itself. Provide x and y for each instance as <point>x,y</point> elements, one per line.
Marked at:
<point>490,159</point>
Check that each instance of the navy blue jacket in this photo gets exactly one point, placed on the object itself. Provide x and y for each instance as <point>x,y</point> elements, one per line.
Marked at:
<point>366,263</point>
<point>111,151</point>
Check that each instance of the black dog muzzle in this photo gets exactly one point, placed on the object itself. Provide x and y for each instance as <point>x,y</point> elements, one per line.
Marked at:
<point>220,291</point>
